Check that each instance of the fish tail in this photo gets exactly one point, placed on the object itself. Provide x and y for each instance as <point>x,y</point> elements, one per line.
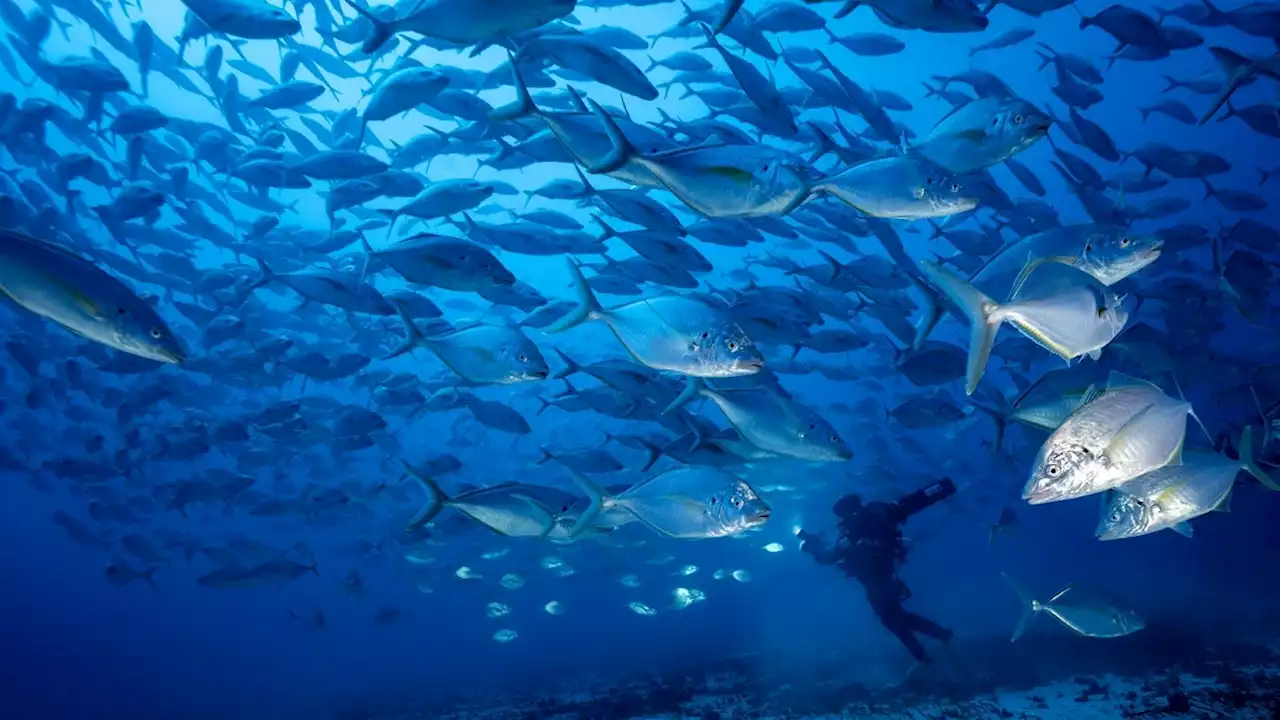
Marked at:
<point>150,576</point>
<point>381,30</point>
<point>654,455</point>
<point>588,307</point>
<point>692,387</point>
<point>368,257</point>
<point>546,456</point>
<point>981,312</point>
<point>412,335</point>
<point>436,500</point>
<point>523,105</point>
<point>599,499</point>
<point>1029,609</point>
<point>1248,463</point>
<point>606,231</point>
<point>621,150</point>
<point>571,366</point>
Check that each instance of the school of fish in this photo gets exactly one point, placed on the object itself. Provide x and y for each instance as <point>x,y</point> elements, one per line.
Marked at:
<point>749,277</point>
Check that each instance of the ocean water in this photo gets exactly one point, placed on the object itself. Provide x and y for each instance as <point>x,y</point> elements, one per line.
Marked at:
<point>200,474</point>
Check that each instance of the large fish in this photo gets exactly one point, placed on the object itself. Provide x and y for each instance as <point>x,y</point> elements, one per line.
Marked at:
<point>1064,310</point>
<point>1128,429</point>
<point>690,503</point>
<point>671,332</point>
<point>1171,497</point>
<point>55,283</point>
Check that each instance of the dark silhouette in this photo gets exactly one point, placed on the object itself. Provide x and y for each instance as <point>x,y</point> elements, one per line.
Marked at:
<point>870,548</point>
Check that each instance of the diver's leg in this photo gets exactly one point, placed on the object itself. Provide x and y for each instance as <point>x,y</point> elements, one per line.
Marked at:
<point>896,620</point>
<point>922,624</point>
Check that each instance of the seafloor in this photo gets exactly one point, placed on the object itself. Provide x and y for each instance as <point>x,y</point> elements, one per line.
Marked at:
<point>1160,675</point>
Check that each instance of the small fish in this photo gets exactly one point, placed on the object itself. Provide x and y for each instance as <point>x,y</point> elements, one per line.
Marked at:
<point>505,636</point>
<point>555,607</point>
<point>640,608</point>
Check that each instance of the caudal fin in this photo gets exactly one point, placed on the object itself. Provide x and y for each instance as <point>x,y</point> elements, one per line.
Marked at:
<point>523,104</point>
<point>1029,609</point>
<point>621,150</point>
<point>692,387</point>
<point>599,499</point>
<point>381,30</point>
<point>977,308</point>
<point>412,335</point>
<point>1248,464</point>
<point>436,498</point>
<point>588,306</point>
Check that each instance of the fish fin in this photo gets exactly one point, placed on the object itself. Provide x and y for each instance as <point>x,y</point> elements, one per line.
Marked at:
<point>523,105</point>
<point>1224,505</point>
<point>621,150</point>
<point>1127,431</point>
<point>1029,608</point>
<point>588,307</point>
<point>1182,528</point>
<point>1117,380</point>
<point>571,367</point>
<point>382,31</point>
<point>599,500</point>
<point>543,514</point>
<point>1095,355</point>
<point>978,308</point>
<point>1091,393</point>
<point>413,337</point>
<point>692,387</point>
<point>1031,265</point>
<point>1248,463</point>
<point>436,499</point>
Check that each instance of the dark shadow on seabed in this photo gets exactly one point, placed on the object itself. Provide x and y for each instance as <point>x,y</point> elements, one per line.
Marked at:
<point>1161,672</point>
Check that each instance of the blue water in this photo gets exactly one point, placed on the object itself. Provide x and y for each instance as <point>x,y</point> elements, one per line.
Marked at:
<point>77,645</point>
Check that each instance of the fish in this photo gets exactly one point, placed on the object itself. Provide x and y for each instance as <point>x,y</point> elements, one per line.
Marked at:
<point>686,503</point>
<point>55,283</point>
<point>671,332</point>
<point>1064,310</point>
<point>1169,498</point>
<point>771,421</point>
<point>1118,433</point>
<point>1083,610</point>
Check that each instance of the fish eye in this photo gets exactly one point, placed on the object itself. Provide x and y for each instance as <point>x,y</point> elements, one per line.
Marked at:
<point>714,500</point>
<point>522,358</point>
<point>155,333</point>
<point>1124,242</point>
<point>1088,247</point>
<point>955,187</point>
<point>812,426</point>
<point>1053,470</point>
<point>705,334</point>
<point>733,346</point>
<point>737,502</point>
<point>1115,516</point>
<point>835,438</point>
<point>765,167</point>
<point>1017,119</point>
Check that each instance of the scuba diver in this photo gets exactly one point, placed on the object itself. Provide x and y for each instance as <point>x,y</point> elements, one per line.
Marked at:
<point>870,548</point>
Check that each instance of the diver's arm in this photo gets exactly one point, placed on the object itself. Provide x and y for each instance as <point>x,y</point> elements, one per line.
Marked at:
<point>923,498</point>
<point>815,547</point>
